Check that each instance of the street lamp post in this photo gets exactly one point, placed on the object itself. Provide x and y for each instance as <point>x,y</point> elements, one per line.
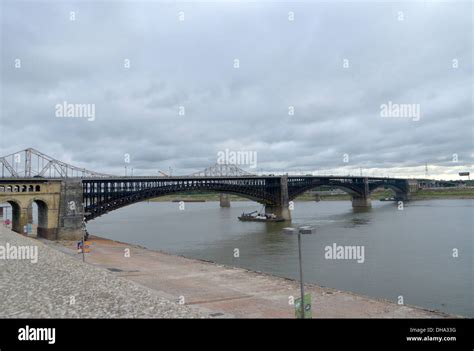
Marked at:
<point>299,231</point>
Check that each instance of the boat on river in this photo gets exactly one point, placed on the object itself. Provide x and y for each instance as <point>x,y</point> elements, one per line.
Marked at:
<point>388,199</point>
<point>259,217</point>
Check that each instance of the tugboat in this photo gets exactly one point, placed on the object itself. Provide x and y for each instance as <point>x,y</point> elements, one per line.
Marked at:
<point>259,217</point>
<point>388,199</point>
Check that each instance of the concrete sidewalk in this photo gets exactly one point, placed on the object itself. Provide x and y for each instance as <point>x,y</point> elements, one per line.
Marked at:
<point>221,291</point>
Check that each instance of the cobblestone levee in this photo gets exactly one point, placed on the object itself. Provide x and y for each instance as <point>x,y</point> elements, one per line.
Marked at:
<point>46,289</point>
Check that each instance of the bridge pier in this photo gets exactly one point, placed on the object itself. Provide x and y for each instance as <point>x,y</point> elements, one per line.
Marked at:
<point>224,200</point>
<point>30,213</point>
<point>71,211</point>
<point>361,202</point>
<point>19,219</point>
<point>47,221</point>
<point>279,211</point>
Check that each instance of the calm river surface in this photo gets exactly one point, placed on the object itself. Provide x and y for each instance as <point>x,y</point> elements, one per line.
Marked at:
<point>407,252</point>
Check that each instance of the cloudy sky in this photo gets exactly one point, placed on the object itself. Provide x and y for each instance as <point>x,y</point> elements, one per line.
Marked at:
<point>173,84</point>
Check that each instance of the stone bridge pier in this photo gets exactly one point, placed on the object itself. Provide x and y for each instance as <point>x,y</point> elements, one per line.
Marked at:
<point>363,199</point>
<point>282,208</point>
<point>224,200</point>
<point>71,215</point>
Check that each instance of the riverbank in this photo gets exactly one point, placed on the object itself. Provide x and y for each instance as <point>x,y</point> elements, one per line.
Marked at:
<point>444,193</point>
<point>228,292</point>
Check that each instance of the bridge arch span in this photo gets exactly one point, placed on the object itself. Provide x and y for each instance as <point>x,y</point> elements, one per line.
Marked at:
<point>400,189</point>
<point>344,187</point>
<point>99,208</point>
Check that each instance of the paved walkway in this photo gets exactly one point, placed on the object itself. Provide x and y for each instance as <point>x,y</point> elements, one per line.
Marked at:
<point>222,291</point>
<point>62,286</point>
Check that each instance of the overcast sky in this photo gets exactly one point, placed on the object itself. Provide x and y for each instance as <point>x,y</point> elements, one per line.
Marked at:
<point>400,52</point>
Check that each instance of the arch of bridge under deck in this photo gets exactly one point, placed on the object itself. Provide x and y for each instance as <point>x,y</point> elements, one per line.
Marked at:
<point>396,189</point>
<point>344,188</point>
<point>120,202</point>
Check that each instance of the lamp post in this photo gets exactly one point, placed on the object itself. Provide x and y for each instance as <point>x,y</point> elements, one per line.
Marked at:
<point>299,231</point>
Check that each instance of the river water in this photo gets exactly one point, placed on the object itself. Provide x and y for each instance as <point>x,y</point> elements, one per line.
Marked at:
<point>407,252</point>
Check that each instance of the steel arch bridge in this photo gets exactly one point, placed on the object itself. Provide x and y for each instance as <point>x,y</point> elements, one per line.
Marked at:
<point>104,195</point>
<point>70,196</point>
<point>355,186</point>
<point>107,194</point>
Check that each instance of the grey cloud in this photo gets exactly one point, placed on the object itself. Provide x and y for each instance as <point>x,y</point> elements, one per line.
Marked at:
<point>282,64</point>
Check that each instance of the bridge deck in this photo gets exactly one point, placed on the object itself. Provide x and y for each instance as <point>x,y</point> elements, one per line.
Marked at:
<point>137,178</point>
